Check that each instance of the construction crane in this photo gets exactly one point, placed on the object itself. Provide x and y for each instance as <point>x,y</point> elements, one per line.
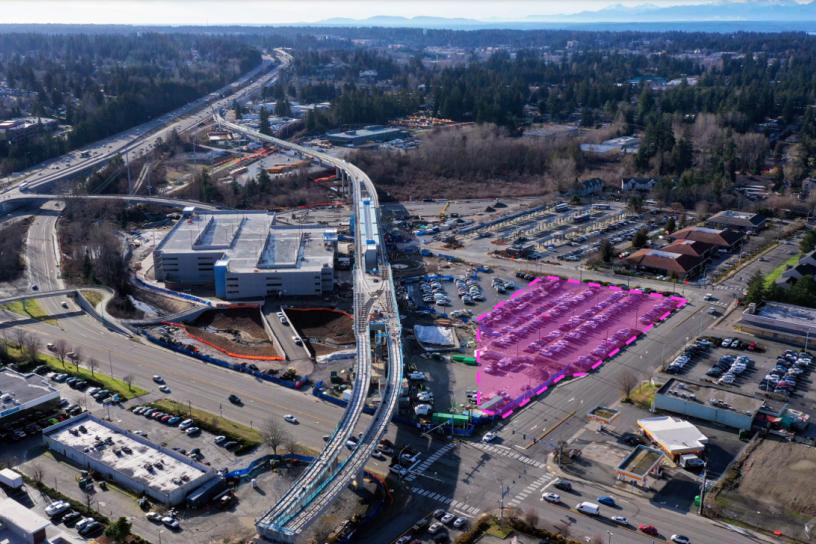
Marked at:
<point>443,213</point>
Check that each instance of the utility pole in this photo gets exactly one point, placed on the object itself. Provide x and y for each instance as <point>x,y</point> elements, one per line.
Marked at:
<point>702,490</point>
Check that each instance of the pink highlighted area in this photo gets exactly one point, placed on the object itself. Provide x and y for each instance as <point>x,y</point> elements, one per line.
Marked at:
<point>554,329</point>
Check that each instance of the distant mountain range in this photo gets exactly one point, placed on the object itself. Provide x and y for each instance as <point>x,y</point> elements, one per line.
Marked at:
<point>742,15</point>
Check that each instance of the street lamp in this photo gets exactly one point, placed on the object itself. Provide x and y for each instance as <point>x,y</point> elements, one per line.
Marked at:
<point>610,534</point>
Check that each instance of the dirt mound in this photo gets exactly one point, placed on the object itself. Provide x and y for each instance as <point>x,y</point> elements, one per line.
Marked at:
<point>246,320</point>
<point>334,326</point>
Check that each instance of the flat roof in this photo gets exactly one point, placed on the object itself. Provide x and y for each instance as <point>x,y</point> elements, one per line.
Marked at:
<point>788,313</point>
<point>102,441</point>
<point>250,242</point>
<point>641,460</point>
<point>712,396</point>
<point>673,434</point>
<point>18,515</point>
<point>735,217</point>
<point>22,387</point>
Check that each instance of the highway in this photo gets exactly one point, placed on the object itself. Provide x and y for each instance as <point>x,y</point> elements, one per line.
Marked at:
<point>374,294</point>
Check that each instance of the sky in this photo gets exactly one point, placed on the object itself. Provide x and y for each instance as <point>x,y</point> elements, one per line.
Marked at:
<point>260,12</point>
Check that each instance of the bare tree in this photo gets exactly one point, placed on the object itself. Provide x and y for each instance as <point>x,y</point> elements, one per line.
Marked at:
<point>627,382</point>
<point>291,444</point>
<point>61,348</point>
<point>77,357</point>
<point>531,518</point>
<point>36,473</point>
<point>273,435</point>
<point>20,336</point>
<point>92,365</point>
<point>32,348</point>
<point>128,379</point>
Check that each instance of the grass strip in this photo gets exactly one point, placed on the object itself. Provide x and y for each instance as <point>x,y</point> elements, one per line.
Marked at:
<point>29,308</point>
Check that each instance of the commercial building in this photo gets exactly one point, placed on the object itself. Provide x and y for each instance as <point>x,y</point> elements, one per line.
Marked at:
<point>740,221</point>
<point>128,459</point>
<point>371,133</point>
<point>787,323</point>
<point>19,525</point>
<point>640,467</point>
<point>720,238</point>
<point>674,437</point>
<point>660,261</point>
<point>23,127</point>
<point>708,403</point>
<point>24,394</point>
<point>247,255</point>
<point>693,248</point>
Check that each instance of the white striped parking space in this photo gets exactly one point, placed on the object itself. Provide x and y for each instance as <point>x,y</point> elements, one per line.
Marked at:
<point>531,488</point>
<point>457,506</point>
<point>425,465</point>
<point>507,452</point>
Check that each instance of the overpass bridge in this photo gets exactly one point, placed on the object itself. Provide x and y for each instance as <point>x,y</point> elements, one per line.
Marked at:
<point>16,198</point>
<point>375,307</point>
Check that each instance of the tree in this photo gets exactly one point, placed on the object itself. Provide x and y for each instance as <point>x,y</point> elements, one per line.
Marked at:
<point>641,238</point>
<point>61,349</point>
<point>606,250</point>
<point>32,348</point>
<point>290,443</point>
<point>756,291</point>
<point>77,357</point>
<point>128,379</point>
<point>119,530</point>
<point>273,435</point>
<point>20,337</point>
<point>92,365</point>
<point>671,225</point>
<point>263,122</point>
<point>36,473</point>
<point>808,242</point>
<point>283,108</point>
<point>627,382</point>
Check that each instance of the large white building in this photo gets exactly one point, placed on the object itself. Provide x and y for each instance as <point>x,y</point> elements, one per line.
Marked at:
<point>247,255</point>
<point>128,459</point>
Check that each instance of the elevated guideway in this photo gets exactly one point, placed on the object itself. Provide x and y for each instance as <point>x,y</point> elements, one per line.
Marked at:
<point>375,307</point>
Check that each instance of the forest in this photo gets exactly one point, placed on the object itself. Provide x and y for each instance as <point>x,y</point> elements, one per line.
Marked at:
<point>102,84</point>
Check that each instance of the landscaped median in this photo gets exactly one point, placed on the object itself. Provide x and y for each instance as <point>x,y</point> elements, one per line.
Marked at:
<point>29,308</point>
<point>248,437</point>
<point>114,385</point>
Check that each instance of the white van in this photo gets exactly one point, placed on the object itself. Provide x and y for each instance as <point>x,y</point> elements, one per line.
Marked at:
<point>589,508</point>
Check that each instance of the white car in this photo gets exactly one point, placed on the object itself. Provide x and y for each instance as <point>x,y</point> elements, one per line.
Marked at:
<point>489,437</point>
<point>155,517</point>
<point>620,520</point>
<point>551,497</point>
<point>459,523</point>
<point>680,539</point>
<point>164,389</point>
<point>56,508</point>
<point>157,378</point>
<point>291,419</point>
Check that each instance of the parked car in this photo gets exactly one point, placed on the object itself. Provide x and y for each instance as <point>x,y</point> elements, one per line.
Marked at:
<point>551,497</point>
<point>56,508</point>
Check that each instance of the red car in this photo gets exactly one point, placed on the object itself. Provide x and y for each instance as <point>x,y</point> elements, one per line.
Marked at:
<point>650,530</point>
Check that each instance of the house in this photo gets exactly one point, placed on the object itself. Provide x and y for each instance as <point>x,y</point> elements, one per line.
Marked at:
<point>620,145</point>
<point>805,267</point>
<point>720,238</point>
<point>587,187</point>
<point>658,261</point>
<point>638,184</point>
<point>695,248</point>
<point>674,437</point>
<point>748,222</point>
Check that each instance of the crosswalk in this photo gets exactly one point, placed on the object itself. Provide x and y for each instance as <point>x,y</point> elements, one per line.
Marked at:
<point>452,504</point>
<point>430,460</point>
<point>509,452</point>
<point>534,486</point>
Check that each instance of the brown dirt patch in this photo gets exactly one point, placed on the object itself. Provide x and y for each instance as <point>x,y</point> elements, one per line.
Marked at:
<point>770,481</point>
<point>329,330</point>
<point>236,331</point>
